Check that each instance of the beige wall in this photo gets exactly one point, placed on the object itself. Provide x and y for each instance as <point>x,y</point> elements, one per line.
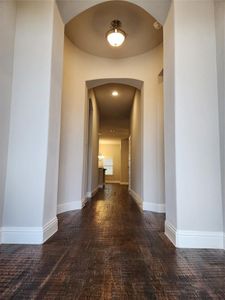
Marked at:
<point>112,150</point>
<point>124,161</point>
<point>93,147</point>
<point>136,181</point>
<point>80,67</point>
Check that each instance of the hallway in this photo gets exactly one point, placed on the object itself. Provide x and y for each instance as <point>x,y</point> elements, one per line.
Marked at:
<point>110,250</point>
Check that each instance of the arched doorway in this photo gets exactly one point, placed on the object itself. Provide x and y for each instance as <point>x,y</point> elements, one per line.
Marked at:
<point>131,114</point>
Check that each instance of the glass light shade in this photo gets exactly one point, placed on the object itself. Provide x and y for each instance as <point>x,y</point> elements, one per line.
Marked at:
<point>116,37</point>
<point>115,93</point>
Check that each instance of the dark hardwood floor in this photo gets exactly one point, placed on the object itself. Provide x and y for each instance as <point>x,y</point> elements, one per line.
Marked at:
<point>110,250</point>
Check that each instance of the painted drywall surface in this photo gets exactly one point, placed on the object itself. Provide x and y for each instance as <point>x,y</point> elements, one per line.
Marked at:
<point>124,161</point>
<point>70,9</point>
<point>169,119</point>
<point>28,138</point>
<point>80,67</point>
<point>7,36</point>
<point>93,146</point>
<point>220,47</point>
<point>199,204</point>
<point>112,151</point>
<point>153,158</point>
<point>72,143</point>
<point>136,145</point>
<point>51,186</point>
<point>88,164</point>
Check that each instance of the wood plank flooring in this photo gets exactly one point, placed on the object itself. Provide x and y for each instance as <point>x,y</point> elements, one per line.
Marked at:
<point>110,250</point>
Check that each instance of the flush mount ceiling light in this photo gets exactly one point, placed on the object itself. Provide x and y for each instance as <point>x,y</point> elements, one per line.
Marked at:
<point>115,93</point>
<point>116,36</point>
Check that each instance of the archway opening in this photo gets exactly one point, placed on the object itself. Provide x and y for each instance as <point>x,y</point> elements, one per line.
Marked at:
<point>114,136</point>
<point>84,71</point>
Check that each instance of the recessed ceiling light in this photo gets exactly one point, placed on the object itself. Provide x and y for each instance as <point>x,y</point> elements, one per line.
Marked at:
<point>115,93</point>
<point>116,36</point>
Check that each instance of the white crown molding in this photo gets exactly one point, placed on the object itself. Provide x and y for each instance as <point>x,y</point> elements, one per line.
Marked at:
<point>29,235</point>
<point>154,207</point>
<point>137,198</point>
<point>67,206</point>
<point>194,239</point>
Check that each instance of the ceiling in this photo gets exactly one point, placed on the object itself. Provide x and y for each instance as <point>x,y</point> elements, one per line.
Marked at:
<point>87,30</point>
<point>114,111</point>
<point>111,107</point>
<point>114,129</point>
<point>71,8</point>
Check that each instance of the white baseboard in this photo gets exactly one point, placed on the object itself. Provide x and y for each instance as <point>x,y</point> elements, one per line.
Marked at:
<point>84,201</point>
<point>29,235</point>
<point>194,239</point>
<point>170,232</point>
<point>89,194</point>
<point>137,198</point>
<point>154,207</point>
<point>117,181</point>
<point>93,193</point>
<point>50,228</point>
<point>112,181</point>
<point>67,206</point>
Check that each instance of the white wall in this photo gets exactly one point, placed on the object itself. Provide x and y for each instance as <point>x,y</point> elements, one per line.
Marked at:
<point>169,119</point>
<point>220,43</point>
<point>191,87</point>
<point>80,67</point>
<point>197,141</point>
<point>51,186</point>
<point>34,109</point>
<point>7,36</point>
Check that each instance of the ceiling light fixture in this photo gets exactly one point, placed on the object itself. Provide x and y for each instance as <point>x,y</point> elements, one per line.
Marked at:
<point>115,93</point>
<point>116,36</point>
